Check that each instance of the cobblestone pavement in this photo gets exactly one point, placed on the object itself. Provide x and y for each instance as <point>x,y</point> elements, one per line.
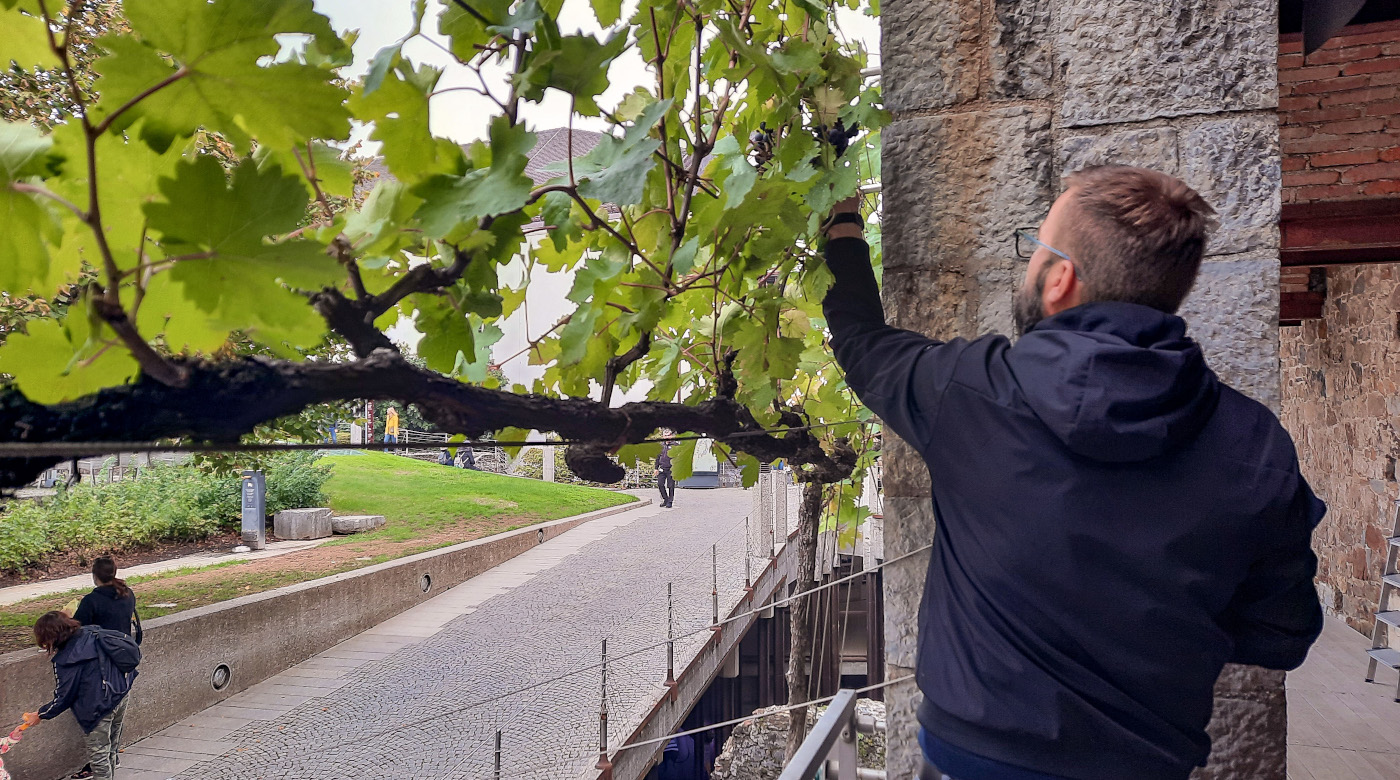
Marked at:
<point>516,649</point>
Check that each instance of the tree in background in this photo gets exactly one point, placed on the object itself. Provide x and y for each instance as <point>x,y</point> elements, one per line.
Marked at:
<point>173,203</point>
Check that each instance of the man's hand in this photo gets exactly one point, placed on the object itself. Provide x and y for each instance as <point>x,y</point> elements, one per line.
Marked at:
<point>31,719</point>
<point>850,205</point>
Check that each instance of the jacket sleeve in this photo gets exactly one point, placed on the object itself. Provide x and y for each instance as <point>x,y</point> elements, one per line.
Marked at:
<point>899,374</point>
<point>1275,615</point>
<point>64,693</point>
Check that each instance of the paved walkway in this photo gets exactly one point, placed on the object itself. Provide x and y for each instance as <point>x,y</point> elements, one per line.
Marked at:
<point>17,593</point>
<point>1341,727</point>
<point>516,649</point>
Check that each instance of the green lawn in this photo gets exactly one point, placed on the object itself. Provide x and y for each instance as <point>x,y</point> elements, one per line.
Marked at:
<point>418,498</point>
<point>425,506</point>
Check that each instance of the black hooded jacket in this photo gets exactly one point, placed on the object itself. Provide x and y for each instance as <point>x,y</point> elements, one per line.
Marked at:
<point>1114,525</point>
<point>78,685</point>
<point>104,608</point>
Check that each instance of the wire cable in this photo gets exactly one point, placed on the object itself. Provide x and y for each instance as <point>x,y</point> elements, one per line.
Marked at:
<point>70,449</point>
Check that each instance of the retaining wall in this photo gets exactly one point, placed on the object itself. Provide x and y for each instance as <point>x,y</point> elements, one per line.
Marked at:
<point>257,636</point>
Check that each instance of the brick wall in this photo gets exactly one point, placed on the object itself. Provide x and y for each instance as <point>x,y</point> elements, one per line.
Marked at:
<point>1340,115</point>
<point>1341,402</point>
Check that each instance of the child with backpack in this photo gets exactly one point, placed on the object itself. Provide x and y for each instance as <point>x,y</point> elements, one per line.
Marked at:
<point>93,671</point>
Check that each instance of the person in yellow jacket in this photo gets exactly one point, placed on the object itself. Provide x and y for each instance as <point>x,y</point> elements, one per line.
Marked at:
<point>391,426</point>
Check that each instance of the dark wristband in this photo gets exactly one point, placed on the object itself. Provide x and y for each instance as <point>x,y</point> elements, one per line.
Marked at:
<point>843,218</point>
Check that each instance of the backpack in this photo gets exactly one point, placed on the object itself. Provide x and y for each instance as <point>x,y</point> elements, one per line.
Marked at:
<point>118,649</point>
<point>117,658</point>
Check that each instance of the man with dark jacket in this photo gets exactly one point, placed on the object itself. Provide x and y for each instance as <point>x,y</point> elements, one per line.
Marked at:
<point>1115,524</point>
<point>665,480</point>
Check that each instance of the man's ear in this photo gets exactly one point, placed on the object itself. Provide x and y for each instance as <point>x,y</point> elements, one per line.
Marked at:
<point>1061,290</point>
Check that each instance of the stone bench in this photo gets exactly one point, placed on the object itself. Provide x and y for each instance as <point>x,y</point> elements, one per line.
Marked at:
<point>354,524</point>
<point>302,523</point>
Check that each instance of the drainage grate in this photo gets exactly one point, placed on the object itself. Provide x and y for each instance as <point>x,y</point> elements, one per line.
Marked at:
<point>222,675</point>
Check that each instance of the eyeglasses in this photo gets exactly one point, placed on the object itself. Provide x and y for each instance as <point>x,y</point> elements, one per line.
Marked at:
<point>1026,244</point>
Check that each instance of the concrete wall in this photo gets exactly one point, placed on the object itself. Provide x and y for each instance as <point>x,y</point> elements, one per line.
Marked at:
<point>1341,400</point>
<point>257,636</point>
<point>993,102</point>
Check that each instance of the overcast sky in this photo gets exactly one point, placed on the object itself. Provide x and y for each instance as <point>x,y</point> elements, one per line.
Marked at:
<point>463,116</point>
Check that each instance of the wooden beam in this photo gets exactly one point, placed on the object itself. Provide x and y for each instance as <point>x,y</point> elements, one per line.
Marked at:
<point>1294,307</point>
<point>1340,232</point>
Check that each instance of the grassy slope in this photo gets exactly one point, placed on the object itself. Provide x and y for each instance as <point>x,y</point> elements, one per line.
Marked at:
<point>424,504</point>
<point>418,497</point>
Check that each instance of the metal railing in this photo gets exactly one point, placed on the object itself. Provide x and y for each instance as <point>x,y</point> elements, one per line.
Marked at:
<point>829,752</point>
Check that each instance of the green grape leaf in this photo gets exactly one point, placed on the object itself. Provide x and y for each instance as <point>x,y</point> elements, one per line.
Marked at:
<point>233,273</point>
<point>522,20</point>
<point>450,202</point>
<point>24,40</point>
<point>576,335</point>
<point>577,65</point>
<point>212,53</point>
<point>384,61</point>
<point>335,175</point>
<point>556,211</point>
<point>684,258</point>
<point>30,224</point>
<point>465,30</point>
<point>683,459</point>
<point>128,178</point>
<point>446,333</point>
<point>399,109</point>
<point>24,152</point>
<point>167,313</point>
<point>60,360</point>
<point>741,175</point>
<point>476,367</point>
<point>607,11</point>
<point>598,276</point>
<point>615,171</point>
<point>376,229</point>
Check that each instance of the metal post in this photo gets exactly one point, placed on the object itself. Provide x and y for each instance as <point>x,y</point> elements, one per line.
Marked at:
<point>670,640</point>
<point>714,586</point>
<point>748,558</point>
<point>498,755</point>
<point>604,765</point>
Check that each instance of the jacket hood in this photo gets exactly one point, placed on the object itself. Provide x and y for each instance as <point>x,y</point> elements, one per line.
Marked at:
<point>1116,382</point>
<point>80,648</point>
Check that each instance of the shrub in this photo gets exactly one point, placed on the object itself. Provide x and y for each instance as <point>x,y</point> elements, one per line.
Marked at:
<point>165,503</point>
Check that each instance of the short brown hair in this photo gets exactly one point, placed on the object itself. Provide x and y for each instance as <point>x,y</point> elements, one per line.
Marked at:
<point>53,629</point>
<point>1138,235</point>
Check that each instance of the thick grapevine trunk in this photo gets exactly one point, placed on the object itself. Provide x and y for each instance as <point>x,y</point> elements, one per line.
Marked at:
<point>808,522</point>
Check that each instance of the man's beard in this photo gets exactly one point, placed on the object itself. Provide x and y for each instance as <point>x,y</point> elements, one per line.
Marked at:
<point>1026,308</point>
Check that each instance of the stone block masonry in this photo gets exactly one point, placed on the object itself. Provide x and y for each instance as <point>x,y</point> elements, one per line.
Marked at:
<point>994,102</point>
<point>1340,115</point>
<point>1341,402</point>
<point>354,524</point>
<point>302,523</point>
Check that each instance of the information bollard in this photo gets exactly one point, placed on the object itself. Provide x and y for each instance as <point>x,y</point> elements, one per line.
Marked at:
<point>254,510</point>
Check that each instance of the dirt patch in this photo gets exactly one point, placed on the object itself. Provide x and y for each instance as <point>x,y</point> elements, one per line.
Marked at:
<point>69,564</point>
<point>197,589</point>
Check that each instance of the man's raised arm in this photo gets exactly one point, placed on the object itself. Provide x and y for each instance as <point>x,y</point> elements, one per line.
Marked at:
<point>899,374</point>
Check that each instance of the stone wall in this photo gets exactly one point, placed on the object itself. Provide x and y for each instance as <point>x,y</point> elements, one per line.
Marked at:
<point>994,101</point>
<point>1341,401</point>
